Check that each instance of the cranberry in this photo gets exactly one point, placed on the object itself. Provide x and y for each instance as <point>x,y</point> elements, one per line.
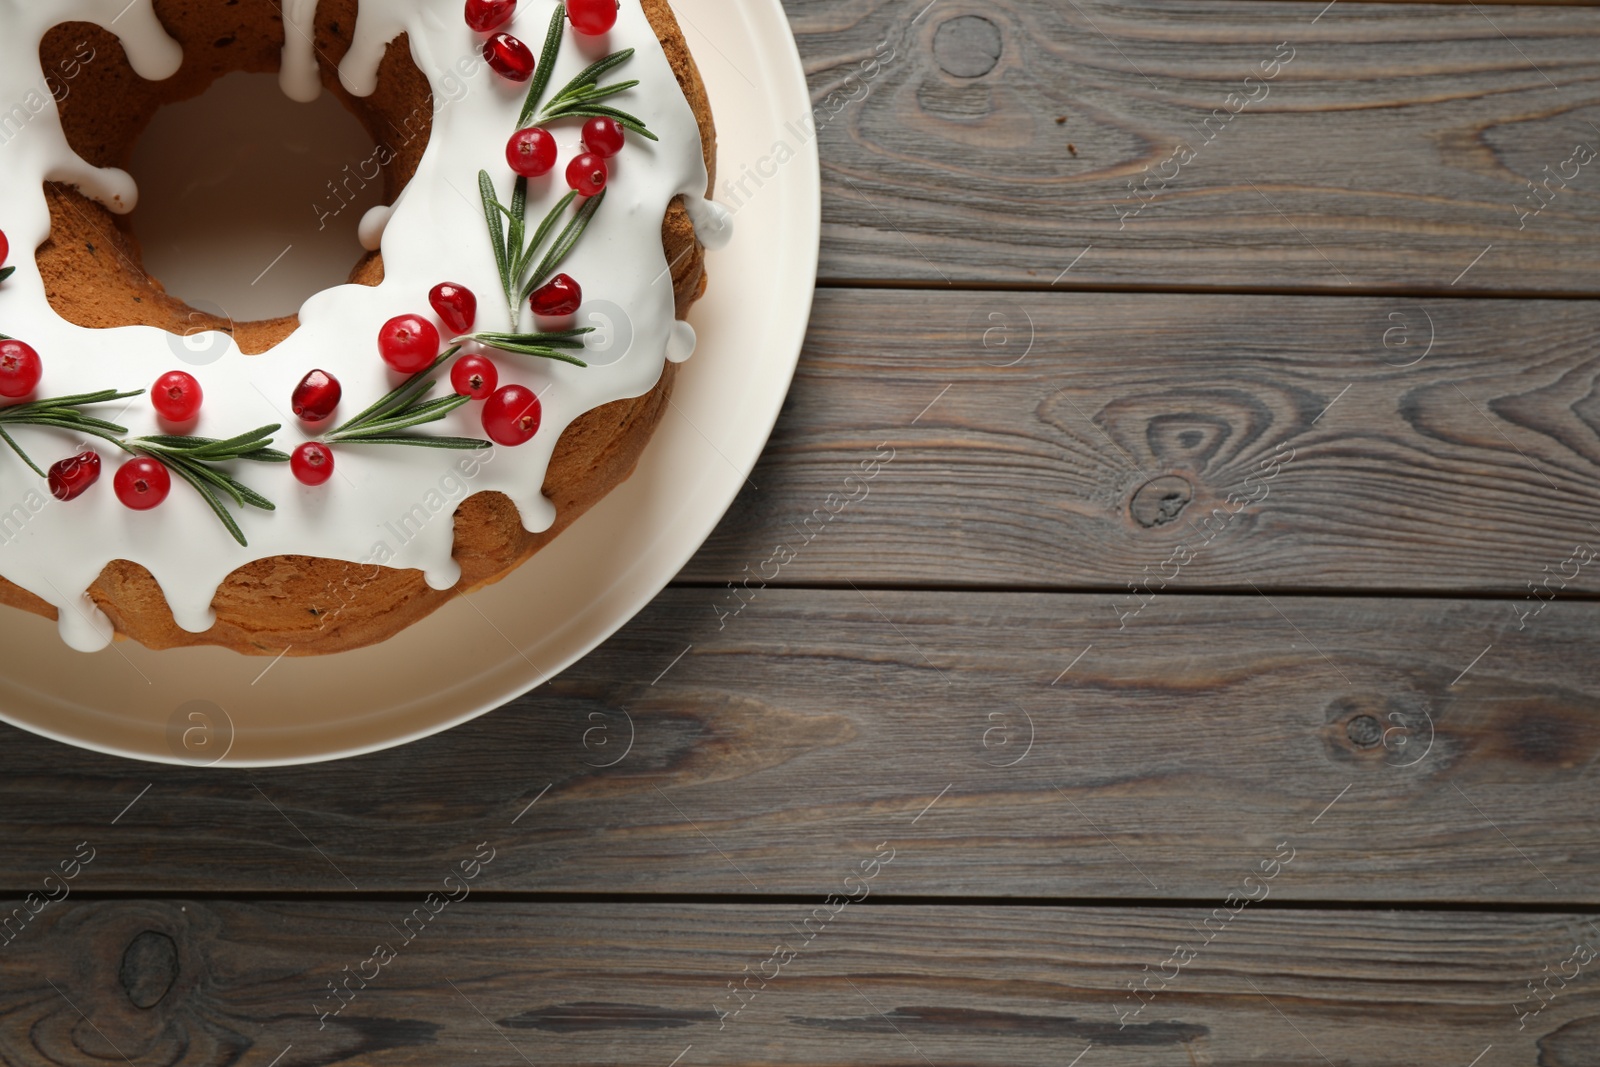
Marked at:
<point>455,305</point>
<point>72,477</point>
<point>408,343</point>
<point>603,136</point>
<point>312,463</point>
<point>486,16</point>
<point>531,152</point>
<point>474,376</point>
<point>511,416</point>
<point>142,483</point>
<point>557,297</point>
<point>316,396</point>
<point>587,173</point>
<point>5,248</point>
<point>176,396</point>
<point>20,369</point>
<point>592,16</point>
<point>509,57</point>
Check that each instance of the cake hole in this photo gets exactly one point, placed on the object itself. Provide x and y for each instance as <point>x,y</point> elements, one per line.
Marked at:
<point>249,203</point>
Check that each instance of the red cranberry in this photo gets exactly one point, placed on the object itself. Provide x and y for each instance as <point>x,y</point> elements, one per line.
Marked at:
<point>20,369</point>
<point>316,396</point>
<point>177,396</point>
<point>531,152</point>
<point>474,376</point>
<point>509,57</point>
<point>5,248</point>
<point>511,416</point>
<point>72,477</point>
<point>486,16</point>
<point>408,343</point>
<point>142,483</point>
<point>312,463</point>
<point>559,296</point>
<point>455,305</point>
<point>587,173</point>
<point>592,16</point>
<point>603,136</point>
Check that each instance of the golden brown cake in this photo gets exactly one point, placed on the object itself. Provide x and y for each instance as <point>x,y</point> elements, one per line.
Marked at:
<point>91,274</point>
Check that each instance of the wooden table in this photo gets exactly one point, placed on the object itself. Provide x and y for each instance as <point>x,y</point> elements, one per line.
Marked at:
<point>1160,632</point>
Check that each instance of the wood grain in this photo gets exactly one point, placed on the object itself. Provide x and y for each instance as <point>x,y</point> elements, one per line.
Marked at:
<point>1007,744</point>
<point>1078,440</point>
<point>996,142</point>
<point>588,984</point>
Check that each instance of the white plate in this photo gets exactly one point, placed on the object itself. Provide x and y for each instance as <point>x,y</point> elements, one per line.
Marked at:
<point>210,706</point>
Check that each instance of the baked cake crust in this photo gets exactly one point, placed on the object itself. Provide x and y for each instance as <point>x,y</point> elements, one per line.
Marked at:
<point>309,605</point>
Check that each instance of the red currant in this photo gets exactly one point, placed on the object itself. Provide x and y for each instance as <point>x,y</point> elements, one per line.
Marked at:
<point>474,376</point>
<point>177,396</point>
<point>20,369</point>
<point>312,463</point>
<point>72,477</point>
<point>511,416</point>
<point>455,305</point>
<point>592,16</point>
<point>5,248</point>
<point>587,173</point>
<point>559,296</point>
<point>485,16</point>
<point>509,57</point>
<point>531,152</point>
<point>316,396</point>
<point>408,343</point>
<point>142,483</point>
<point>603,136</point>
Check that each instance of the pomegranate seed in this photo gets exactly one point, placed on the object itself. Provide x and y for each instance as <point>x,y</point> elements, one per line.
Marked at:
<point>592,16</point>
<point>509,57</point>
<point>72,477</point>
<point>531,152</point>
<point>474,376</point>
<point>142,483</point>
<point>408,343</point>
<point>558,297</point>
<point>455,305</point>
<point>603,136</point>
<point>177,396</point>
<point>316,396</point>
<point>511,416</point>
<point>485,16</point>
<point>587,173</point>
<point>312,463</point>
<point>20,369</point>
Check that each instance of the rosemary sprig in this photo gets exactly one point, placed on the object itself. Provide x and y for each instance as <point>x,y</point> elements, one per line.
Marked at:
<point>403,408</point>
<point>514,251</point>
<point>195,459</point>
<point>544,345</point>
<point>62,413</point>
<point>580,98</point>
<point>546,67</point>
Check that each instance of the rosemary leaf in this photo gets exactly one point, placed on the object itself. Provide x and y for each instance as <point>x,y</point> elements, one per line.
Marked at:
<point>18,450</point>
<point>208,494</point>
<point>546,67</point>
<point>601,111</point>
<point>497,233</point>
<point>564,243</point>
<point>593,73</point>
<point>424,441</point>
<point>6,272</point>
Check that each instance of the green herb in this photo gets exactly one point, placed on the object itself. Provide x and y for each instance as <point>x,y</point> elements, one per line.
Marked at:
<point>62,413</point>
<point>546,67</point>
<point>6,272</point>
<point>195,459</point>
<point>580,97</point>
<point>514,251</point>
<point>404,408</point>
<point>544,345</point>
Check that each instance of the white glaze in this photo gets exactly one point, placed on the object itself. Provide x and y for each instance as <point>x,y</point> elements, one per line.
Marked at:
<point>390,506</point>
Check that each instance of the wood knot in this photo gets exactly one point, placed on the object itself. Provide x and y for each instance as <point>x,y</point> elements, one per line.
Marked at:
<point>149,967</point>
<point>1364,731</point>
<point>1159,500</point>
<point>967,47</point>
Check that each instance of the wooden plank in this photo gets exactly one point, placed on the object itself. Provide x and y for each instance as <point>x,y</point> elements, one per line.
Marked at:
<point>644,984</point>
<point>1001,143</point>
<point>1437,445</point>
<point>1028,745</point>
